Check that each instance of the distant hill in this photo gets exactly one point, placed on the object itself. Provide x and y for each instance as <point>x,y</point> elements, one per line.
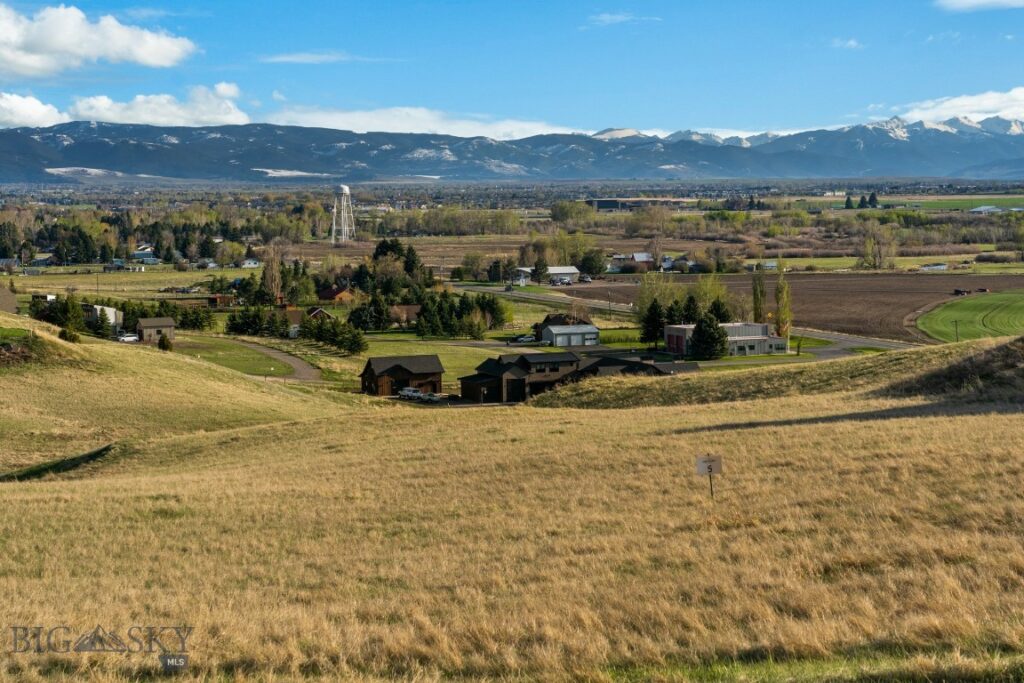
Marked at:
<point>89,152</point>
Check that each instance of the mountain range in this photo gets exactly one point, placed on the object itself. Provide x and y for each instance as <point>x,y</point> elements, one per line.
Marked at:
<point>105,152</point>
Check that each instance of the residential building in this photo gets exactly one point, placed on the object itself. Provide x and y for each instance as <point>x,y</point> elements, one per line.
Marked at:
<point>151,329</point>
<point>404,314</point>
<point>387,375</point>
<point>220,300</point>
<point>250,263</point>
<point>512,378</point>
<point>92,313</point>
<point>570,335</point>
<point>571,273</point>
<point>336,294</point>
<point>745,339</point>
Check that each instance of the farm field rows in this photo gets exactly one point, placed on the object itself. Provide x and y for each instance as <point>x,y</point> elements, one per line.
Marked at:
<point>305,533</point>
<point>870,304</point>
<point>997,314</point>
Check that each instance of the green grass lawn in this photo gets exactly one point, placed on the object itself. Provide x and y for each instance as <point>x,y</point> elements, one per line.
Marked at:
<point>231,354</point>
<point>807,342</point>
<point>11,334</point>
<point>980,315</point>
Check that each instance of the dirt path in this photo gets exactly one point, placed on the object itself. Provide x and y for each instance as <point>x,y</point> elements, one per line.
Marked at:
<point>304,372</point>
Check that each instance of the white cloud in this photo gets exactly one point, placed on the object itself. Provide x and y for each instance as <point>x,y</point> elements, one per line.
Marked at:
<point>613,18</point>
<point>847,43</point>
<point>1008,104</point>
<point>60,38</point>
<point>204,107</point>
<point>19,110</point>
<point>317,57</point>
<point>278,96</point>
<point>412,120</point>
<point>972,5</point>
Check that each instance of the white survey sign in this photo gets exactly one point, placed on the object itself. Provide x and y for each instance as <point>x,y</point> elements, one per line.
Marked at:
<point>709,464</point>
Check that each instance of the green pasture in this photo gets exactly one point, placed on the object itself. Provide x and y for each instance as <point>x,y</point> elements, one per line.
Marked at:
<point>997,314</point>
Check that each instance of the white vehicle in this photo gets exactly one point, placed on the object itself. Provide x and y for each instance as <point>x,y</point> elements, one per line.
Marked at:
<point>127,338</point>
<point>525,339</point>
<point>410,394</point>
<point>431,397</point>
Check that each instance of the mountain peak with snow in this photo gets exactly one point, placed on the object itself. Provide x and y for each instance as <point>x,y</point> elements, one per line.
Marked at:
<point>618,134</point>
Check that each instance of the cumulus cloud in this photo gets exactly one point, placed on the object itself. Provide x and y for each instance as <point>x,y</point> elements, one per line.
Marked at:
<point>19,110</point>
<point>972,5</point>
<point>412,120</point>
<point>847,43</point>
<point>1008,104</point>
<point>605,19</point>
<point>278,96</point>
<point>58,38</point>
<point>204,107</point>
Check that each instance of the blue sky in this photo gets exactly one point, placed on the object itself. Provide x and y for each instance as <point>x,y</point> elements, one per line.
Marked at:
<point>509,69</point>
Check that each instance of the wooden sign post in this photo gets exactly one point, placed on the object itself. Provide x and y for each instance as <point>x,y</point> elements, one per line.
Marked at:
<point>709,466</point>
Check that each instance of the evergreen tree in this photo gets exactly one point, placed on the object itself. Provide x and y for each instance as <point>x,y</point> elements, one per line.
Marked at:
<point>653,327</point>
<point>873,201</point>
<point>719,311</point>
<point>849,202</point>
<point>540,270</point>
<point>709,340</point>
<point>691,310</point>
<point>863,203</point>
<point>674,313</point>
<point>164,343</point>
<point>760,296</point>
<point>102,325</point>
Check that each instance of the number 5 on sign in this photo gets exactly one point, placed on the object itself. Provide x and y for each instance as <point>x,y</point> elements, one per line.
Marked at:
<point>708,466</point>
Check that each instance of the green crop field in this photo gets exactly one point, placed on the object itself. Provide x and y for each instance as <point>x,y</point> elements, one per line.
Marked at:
<point>982,315</point>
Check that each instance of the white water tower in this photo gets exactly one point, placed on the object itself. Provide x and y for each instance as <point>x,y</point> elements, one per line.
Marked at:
<point>342,212</point>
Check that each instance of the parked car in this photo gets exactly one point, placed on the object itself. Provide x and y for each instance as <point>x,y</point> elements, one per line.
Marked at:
<point>961,292</point>
<point>554,282</point>
<point>526,339</point>
<point>430,397</point>
<point>983,290</point>
<point>127,338</point>
<point>585,279</point>
<point>565,281</point>
<point>410,394</point>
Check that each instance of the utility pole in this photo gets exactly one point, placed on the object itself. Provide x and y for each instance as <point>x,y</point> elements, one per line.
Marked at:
<point>956,327</point>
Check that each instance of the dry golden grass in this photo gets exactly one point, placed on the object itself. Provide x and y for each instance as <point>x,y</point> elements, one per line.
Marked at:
<point>372,540</point>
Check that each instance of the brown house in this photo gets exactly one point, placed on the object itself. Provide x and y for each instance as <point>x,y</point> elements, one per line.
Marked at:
<point>151,329</point>
<point>220,300</point>
<point>336,294</point>
<point>387,375</point>
<point>404,314</point>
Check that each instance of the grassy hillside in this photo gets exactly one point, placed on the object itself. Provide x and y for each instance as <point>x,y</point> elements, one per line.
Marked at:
<point>996,314</point>
<point>100,392</point>
<point>853,533</point>
<point>865,372</point>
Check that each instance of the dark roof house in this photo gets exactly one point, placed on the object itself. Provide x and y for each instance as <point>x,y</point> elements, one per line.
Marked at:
<point>387,375</point>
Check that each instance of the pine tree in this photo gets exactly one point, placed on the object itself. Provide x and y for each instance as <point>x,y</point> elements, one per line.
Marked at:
<point>863,203</point>
<point>653,324</point>
<point>709,340</point>
<point>760,296</point>
<point>540,270</point>
<point>719,311</point>
<point>849,202</point>
<point>102,324</point>
<point>691,310</point>
<point>164,343</point>
<point>674,313</point>
<point>873,201</point>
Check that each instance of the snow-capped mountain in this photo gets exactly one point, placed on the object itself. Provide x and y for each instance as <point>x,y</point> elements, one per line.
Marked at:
<point>88,152</point>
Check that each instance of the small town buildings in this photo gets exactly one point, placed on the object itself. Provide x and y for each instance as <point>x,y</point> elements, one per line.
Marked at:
<point>92,313</point>
<point>387,375</point>
<point>935,267</point>
<point>44,298</point>
<point>745,339</point>
<point>8,302</point>
<point>250,263</point>
<point>151,329</point>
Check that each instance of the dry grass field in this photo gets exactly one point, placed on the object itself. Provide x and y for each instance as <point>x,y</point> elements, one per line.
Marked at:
<point>861,531</point>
